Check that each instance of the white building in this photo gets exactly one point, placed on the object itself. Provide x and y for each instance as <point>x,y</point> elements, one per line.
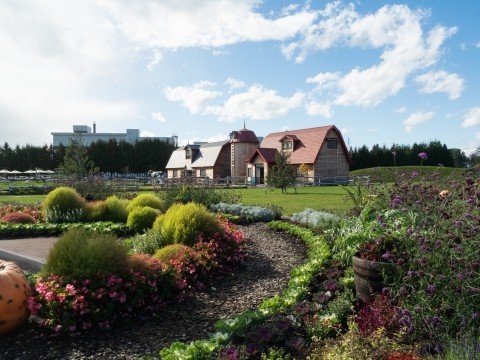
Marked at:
<point>88,137</point>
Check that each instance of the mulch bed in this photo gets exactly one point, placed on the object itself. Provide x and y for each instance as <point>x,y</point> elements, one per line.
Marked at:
<point>265,272</point>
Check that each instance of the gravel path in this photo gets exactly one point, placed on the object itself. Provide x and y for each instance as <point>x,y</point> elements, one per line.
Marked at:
<point>265,273</point>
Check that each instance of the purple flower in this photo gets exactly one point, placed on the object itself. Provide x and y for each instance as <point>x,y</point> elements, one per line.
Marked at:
<point>431,288</point>
<point>458,223</point>
<point>423,156</point>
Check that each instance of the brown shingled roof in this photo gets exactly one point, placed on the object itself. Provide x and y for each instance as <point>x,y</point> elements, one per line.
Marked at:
<point>309,143</point>
<point>268,155</point>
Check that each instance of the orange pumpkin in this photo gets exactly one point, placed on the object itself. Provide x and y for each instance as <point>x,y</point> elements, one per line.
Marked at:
<point>14,295</point>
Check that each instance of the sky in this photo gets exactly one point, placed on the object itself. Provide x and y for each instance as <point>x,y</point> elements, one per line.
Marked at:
<point>383,72</point>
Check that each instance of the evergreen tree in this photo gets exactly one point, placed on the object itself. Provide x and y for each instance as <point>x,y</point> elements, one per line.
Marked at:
<point>76,162</point>
<point>282,174</point>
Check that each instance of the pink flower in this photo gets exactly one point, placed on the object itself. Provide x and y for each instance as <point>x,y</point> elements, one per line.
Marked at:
<point>71,289</point>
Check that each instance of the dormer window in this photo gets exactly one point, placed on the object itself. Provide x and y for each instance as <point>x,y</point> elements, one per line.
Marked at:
<point>188,153</point>
<point>287,145</point>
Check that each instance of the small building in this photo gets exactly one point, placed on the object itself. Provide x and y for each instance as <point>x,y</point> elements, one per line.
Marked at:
<point>319,155</point>
<point>214,160</point>
<point>210,160</point>
<point>88,137</point>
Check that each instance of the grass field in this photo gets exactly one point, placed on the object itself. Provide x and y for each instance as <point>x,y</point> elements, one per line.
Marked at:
<point>330,198</point>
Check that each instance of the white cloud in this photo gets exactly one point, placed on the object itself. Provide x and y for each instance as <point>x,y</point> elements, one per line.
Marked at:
<point>257,103</point>
<point>394,29</point>
<point>314,108</point>
<point>158,116</point>
<point>334,23</point>
<point>400,109</point>
<point>50,61</point>
<point>195,98</point>
<point>472,118</point>
<point>234,83</point>
<point>156,58</point>
<point>213,138</point>
<point>441,81</point>
<point>416,119</point>
<point>202,23</point>
<point>324,80</point>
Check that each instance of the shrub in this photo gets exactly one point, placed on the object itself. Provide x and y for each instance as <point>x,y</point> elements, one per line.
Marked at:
<point>142,263</point>
<point>34,211</point>
<point>79,254</point>
<point>18,218</point>
<point>141,219</point>
<point>316,219</point>
<point>171,251</point>
<point>95,211</point>
<point>253,212</point>
<point>90,188</point>
<point>147,243</point>
<point>145,199</point>
<point>116,209</point>
<point>63,204</point>
<point>184,223</point>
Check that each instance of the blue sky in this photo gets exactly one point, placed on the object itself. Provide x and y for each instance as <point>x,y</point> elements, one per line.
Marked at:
<point>383,72</point>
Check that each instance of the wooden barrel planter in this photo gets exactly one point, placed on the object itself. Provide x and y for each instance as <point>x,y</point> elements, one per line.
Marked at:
<point>368,277</point>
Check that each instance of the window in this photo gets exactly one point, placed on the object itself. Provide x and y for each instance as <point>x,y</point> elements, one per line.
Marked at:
<point>287,145</point>
<point>175,174</point>
<point>331,144</point>
<point>250,172</point>
<point>188,153</point>
<point>203,172</point>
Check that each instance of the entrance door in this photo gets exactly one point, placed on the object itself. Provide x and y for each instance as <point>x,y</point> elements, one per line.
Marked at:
<point>259,174</point>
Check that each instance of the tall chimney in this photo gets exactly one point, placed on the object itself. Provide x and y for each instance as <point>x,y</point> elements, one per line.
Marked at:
<point>94,127</point>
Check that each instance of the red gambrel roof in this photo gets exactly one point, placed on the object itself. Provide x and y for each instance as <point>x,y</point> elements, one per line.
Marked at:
<point>309,144</point>
<point>268,155</point>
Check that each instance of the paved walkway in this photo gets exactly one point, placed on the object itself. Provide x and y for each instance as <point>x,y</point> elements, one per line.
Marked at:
<point>29,254</point>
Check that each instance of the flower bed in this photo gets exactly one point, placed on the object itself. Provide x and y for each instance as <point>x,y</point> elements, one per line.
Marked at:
<point>82,303</point>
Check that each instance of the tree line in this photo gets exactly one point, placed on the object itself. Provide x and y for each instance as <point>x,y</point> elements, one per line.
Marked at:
<point>108,156</point>
<point>437,154</point>
<point>152,154</point>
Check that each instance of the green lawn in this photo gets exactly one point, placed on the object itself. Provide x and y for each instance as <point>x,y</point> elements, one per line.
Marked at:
<point>21,199</point>
<point>331,198</point>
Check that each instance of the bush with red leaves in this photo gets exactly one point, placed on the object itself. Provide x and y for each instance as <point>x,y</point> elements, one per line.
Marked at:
<point>18,217</point>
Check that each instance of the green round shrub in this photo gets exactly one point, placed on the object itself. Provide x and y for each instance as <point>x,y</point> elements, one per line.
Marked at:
<point>79,254</point>
<point>95,211</point>
<point>141,219</point>
<point>116,209</point>
<point>63,205</point>
<point>171,251</point>
<point>146,199</point>
<point>182,223</point>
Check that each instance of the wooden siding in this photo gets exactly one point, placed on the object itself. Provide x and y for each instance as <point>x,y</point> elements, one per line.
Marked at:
<point>239,153</point>
<point>331,162</point>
